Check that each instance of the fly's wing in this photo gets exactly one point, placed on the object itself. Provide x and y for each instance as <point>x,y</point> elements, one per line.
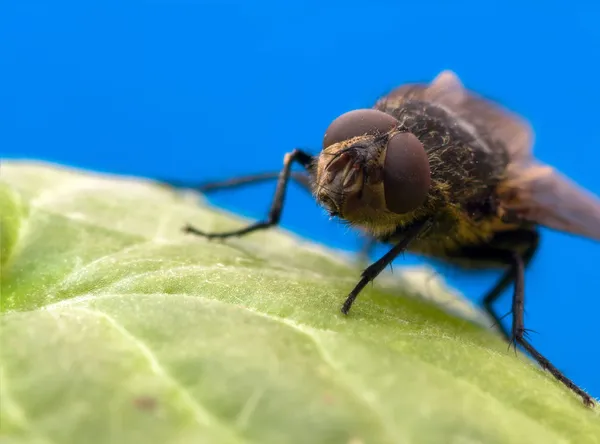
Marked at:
<point>490,119</point>
<point>538,193</point>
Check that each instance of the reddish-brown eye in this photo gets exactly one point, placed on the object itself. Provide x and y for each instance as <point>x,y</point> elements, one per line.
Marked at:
<point>358,123</point>
<point>406,173</point>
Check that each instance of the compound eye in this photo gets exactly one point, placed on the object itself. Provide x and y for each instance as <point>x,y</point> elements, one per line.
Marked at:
<point>358,122</point>
<point>406,173</point>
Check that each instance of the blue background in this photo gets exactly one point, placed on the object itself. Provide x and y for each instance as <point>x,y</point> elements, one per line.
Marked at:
<point>196,90</point>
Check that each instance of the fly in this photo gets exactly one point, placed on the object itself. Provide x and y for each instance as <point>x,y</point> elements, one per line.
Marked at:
<point>437,170</point>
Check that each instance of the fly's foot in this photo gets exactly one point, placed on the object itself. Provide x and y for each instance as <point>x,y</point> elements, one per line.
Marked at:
<point>190,229</point>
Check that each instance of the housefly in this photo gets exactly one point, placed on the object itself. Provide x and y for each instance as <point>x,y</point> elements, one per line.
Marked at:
<point>440,171</point>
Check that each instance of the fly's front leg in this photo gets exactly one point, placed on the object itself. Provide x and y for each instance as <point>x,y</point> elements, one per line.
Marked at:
<point>299,156</point>
<point>376,268</point>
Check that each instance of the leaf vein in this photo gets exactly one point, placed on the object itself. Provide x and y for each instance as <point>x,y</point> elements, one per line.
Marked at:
<point>201,415</point>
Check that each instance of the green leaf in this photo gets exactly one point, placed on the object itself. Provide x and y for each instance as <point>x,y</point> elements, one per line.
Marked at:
<point>118,328</point>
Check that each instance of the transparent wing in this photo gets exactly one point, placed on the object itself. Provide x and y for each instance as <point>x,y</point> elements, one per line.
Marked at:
<point>538,193</point>
<point>489,118</point>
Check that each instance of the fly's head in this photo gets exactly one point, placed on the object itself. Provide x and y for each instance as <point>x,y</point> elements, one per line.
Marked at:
<point>370,173</point>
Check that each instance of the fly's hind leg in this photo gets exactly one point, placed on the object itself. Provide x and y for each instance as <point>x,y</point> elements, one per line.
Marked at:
<point>515,249</point>
<point>518,331</point>
<point>498,253</point>
<point>298,156</point>
<point>529,242</point>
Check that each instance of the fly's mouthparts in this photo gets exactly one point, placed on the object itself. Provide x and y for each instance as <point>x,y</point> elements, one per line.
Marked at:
<point>341,163</point>
<point>344,173</point>
<point>351,174</point>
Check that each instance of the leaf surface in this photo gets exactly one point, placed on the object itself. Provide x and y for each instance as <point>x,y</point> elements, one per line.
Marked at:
<point>118,328</point>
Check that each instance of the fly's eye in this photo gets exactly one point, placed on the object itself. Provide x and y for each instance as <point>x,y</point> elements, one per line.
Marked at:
<point>406,173</point>
<point>358,123</point>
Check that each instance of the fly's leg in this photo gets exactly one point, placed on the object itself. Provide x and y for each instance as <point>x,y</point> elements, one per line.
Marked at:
<point>372,271</point>
<point>502,249</point>
<point>303,179</point>
<point>530,241</point>
<point>519,331</point>
<point>299,156</point>
<point>489,299</point>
